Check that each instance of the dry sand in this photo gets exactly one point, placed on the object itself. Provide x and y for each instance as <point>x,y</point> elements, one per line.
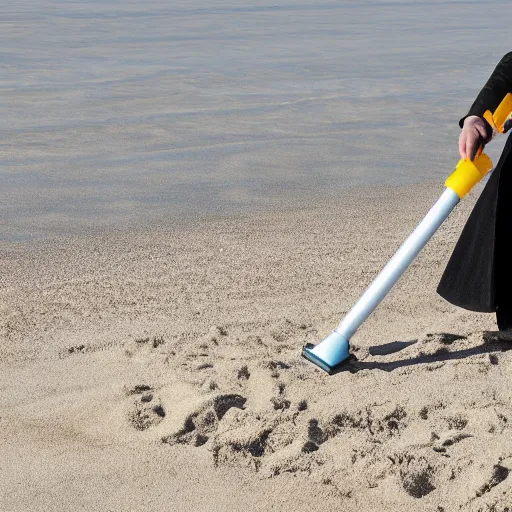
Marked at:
<point>161,370</point>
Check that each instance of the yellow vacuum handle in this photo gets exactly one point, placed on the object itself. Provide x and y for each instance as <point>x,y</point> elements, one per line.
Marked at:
<point>501,119</point>
<point>468,173</point>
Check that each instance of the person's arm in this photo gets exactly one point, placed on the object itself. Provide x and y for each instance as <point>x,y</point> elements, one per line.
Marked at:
<point>476,131</point>
<point>493,92</point>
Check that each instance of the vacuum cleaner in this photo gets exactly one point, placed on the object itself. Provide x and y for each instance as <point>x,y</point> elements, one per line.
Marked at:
<point>334,350</point>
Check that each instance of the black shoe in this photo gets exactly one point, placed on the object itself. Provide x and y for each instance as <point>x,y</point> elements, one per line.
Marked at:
<point>504,318</point>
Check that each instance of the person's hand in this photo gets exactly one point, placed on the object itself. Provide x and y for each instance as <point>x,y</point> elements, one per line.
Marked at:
<point>472,136</point>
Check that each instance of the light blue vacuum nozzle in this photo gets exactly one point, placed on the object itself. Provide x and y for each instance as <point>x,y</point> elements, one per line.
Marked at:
<point>334,349</point>
<point>329,353</point>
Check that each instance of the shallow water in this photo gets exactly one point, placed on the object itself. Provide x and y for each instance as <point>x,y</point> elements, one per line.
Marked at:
<point>112,113</point>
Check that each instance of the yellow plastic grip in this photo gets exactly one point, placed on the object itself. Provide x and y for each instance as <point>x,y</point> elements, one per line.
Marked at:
<point>467,174</point>
<point>502,113</point>
<point>500,120</point>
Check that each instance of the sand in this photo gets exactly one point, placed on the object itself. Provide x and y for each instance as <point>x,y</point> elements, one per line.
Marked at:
<point>161,369</point>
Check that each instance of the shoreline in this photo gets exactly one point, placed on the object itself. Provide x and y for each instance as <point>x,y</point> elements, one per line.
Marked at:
<point>326,199</point>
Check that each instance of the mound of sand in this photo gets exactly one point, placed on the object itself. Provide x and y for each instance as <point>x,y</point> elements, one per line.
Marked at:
<point>161,370</point>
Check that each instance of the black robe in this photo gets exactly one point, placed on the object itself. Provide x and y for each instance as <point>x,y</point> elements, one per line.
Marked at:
<point>478,276</point>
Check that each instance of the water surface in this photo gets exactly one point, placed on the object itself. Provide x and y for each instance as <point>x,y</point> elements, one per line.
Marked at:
<point>115,112</point>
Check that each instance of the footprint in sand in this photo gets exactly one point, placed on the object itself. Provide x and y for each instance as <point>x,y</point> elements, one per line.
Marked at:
<point>243,443</point>
<point>378,423</point>
<point>147,411</point>
<point>202,423</point>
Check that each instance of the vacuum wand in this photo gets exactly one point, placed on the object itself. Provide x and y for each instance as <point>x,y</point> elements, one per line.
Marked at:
<point>334,349</point>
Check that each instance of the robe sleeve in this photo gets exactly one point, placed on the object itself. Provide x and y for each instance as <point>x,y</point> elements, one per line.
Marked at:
<point>493,92</point>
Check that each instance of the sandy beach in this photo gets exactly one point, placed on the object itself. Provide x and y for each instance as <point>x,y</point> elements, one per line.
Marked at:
<point>190,193</point>
<point>162,370</point>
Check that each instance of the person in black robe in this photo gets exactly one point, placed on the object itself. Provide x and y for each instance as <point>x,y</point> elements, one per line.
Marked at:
<point>478,276</point>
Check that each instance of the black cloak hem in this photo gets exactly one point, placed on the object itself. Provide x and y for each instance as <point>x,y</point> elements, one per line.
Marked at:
<point>477,276</point>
